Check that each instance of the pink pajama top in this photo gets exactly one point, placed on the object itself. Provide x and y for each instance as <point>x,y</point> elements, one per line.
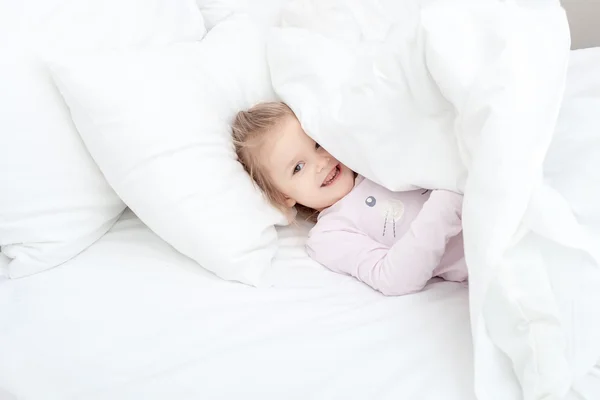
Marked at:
<point>394,242</point>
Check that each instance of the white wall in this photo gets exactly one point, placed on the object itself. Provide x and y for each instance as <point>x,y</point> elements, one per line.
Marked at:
<point>584,20</point>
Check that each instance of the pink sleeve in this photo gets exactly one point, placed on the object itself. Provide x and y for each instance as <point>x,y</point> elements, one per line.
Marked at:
<point>408,264</point>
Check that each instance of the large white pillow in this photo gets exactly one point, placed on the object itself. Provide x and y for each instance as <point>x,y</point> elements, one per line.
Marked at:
<point>263,12</point>
<point>157,122</point>
<point>54,200</point>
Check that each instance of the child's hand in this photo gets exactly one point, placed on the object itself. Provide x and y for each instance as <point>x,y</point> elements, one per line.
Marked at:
<point>448,200</point>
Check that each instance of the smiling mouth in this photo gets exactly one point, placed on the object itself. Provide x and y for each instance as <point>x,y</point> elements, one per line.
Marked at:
<point>332,176</point>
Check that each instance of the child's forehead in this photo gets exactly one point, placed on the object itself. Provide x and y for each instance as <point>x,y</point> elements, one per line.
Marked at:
<point>280,146</point>
<point>283,144</point>
<point>288,135</point>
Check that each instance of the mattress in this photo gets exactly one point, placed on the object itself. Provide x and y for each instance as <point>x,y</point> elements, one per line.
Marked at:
<point>130,318</point>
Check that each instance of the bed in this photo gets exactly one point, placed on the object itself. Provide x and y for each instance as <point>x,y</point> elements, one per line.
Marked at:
<point>130,317</point>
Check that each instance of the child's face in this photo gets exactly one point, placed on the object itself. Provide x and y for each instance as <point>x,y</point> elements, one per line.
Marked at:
<point>302,170</point>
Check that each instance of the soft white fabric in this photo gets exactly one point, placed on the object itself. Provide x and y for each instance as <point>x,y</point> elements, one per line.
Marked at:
<point>465,96</point>
<point>54,201</point>
<point>263,12</point>
<point>362,84</point>
<point>571,167</point>
<point>157,122</point>
<point>149,324</point>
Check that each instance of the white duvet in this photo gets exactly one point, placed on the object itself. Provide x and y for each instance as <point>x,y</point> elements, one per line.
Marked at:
<point>470,96</point>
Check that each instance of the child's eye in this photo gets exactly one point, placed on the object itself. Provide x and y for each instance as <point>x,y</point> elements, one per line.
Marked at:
<point>298,167</point>
<point>317,146</point>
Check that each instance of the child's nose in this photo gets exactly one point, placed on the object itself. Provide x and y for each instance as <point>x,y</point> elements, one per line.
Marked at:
<point>322,162</point>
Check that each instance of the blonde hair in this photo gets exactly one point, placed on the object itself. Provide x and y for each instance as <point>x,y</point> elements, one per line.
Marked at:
<point>248,131</point>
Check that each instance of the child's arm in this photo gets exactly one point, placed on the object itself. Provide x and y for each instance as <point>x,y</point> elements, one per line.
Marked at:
<point>409,263</point>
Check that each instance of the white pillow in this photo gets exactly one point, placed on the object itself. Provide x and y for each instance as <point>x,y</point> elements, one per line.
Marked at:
<point>263,12</point>
<point>55,201</point>
<point>157,122</point>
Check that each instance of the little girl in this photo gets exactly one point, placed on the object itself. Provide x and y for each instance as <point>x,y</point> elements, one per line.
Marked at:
<point>394,242</point>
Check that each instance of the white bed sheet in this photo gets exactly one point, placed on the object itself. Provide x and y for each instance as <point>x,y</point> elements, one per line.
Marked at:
<point>130,318</point>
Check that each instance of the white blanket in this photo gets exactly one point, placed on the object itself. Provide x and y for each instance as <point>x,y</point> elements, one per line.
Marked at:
<point>466,96</point>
